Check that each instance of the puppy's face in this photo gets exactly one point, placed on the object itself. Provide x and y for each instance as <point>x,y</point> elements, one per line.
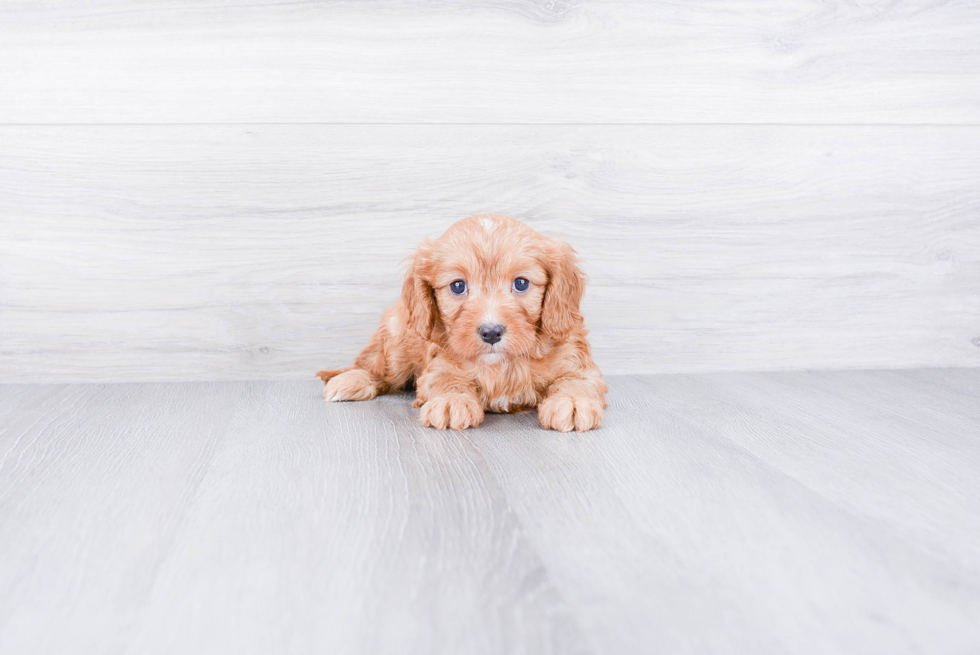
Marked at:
<point>490,307</point>
<point>494,287</point>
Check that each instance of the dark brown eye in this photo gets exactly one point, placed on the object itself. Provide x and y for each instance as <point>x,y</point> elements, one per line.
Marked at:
<point>458,288</point>
<point>521,284</point>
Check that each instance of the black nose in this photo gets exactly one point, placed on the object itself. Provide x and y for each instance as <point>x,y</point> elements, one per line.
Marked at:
<point>491,333</point>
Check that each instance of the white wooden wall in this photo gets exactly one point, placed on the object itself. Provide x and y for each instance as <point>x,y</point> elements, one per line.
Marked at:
<point>218,190</point>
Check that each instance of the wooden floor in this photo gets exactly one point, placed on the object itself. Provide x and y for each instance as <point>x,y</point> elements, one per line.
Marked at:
<point>767,512</point>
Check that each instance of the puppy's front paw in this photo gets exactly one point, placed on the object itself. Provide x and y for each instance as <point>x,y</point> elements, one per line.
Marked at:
<point>567,412</point>
<point>355,384</point>
<point>456,411</point>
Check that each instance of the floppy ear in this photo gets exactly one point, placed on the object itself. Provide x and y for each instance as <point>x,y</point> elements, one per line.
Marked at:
<point>417,294</point>
<point>566,284</point>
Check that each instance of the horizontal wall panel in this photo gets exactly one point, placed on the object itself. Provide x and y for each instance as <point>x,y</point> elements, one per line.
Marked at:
<point>509,61</point>
<point>237,252</point>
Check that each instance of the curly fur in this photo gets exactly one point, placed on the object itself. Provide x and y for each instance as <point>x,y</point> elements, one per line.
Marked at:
<point>429,339</point>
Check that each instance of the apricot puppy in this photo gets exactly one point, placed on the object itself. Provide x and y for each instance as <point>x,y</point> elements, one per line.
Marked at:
<point>488,320</point>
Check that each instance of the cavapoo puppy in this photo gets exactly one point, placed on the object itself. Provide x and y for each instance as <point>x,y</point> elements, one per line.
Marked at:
<point>488,320</point>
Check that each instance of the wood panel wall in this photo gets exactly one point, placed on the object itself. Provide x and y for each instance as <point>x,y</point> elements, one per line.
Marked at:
<point>212,190</point>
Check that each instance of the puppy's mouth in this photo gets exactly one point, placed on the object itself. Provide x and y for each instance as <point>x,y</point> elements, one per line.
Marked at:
<point>492,357</point>
<point>494,354</point>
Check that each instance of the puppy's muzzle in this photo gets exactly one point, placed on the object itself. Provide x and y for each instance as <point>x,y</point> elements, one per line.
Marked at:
<point>491,333</point>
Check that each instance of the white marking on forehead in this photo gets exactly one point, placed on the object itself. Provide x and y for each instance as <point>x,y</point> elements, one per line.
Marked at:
<point>488,223</point>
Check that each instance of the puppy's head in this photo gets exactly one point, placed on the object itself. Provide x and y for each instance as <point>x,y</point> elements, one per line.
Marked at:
<point>491,288</point>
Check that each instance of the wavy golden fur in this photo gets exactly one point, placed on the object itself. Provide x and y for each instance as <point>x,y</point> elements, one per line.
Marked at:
<point>431,338</point>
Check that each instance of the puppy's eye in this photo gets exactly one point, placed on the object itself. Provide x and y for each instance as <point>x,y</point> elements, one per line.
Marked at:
<point>458,288</point>
<point>521,284</point>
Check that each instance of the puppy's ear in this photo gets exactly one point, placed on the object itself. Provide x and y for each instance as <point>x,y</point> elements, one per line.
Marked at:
<point>566,284</point>
<point>417,294</point>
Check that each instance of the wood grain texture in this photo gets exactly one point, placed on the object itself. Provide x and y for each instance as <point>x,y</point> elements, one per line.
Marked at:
<point>801,521</point>
<point>94,484</point>
<point>253,518</point>
<point>250,252</point>
<point>355,531</point>
<point>767,512</point>
<point>499,61</point>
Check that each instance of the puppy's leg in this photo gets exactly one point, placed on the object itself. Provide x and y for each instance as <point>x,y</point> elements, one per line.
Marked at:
<point>387,363</point>
<point>447,401</point>
<point>354,384</point>
<point>574,403</point>
<point>348,384</point>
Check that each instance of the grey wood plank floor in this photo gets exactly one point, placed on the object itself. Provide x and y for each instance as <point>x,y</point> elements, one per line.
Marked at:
<point>738,512</point>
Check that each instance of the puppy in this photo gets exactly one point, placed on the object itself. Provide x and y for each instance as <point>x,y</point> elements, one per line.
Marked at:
<point>488,320</point>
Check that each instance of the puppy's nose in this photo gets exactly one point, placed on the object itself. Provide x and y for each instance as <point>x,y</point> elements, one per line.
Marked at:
<point>491,333</point>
